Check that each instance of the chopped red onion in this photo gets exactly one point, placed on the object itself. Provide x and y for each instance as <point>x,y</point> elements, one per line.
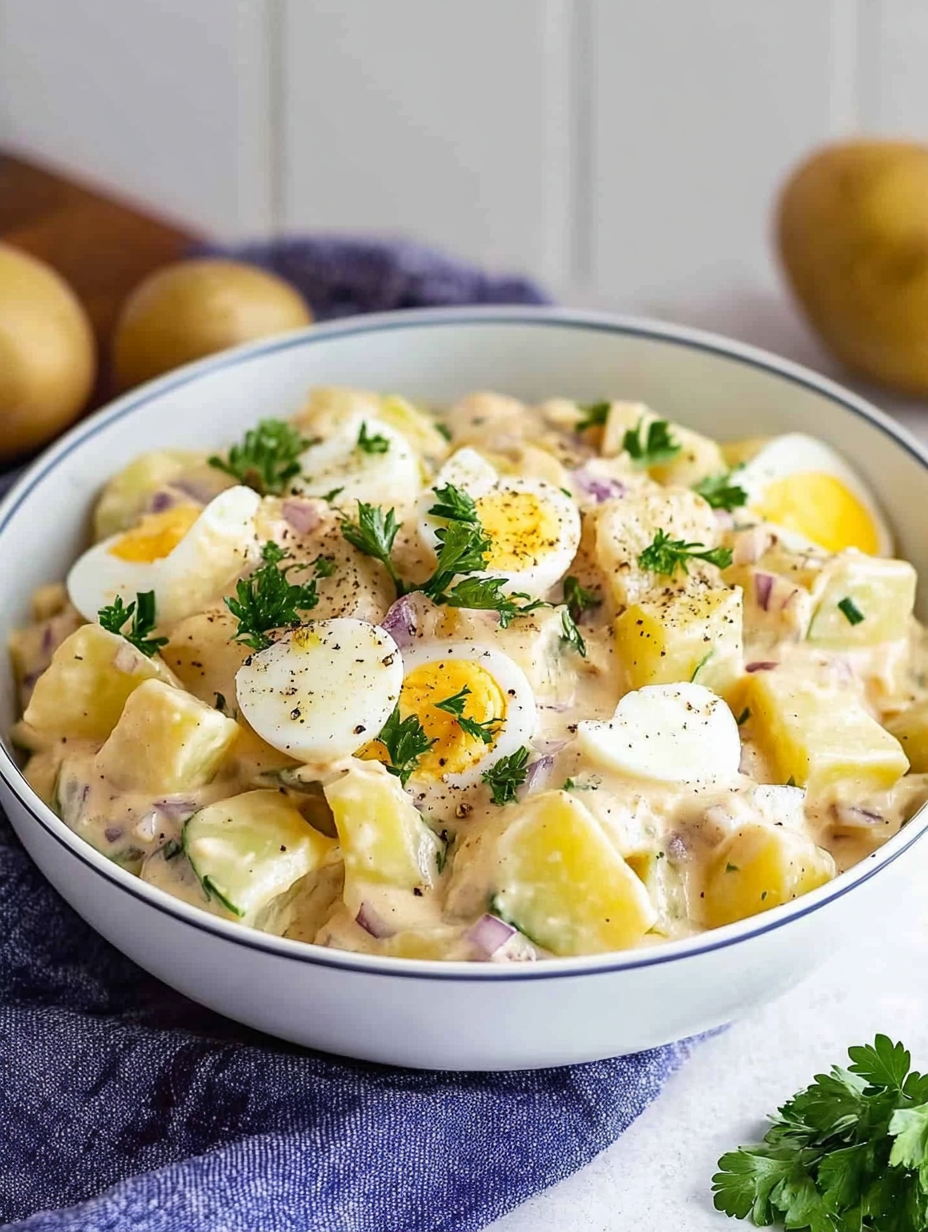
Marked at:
<point>600,487</point>
<point>373,923</point>
<point>724,519</point>
<point>148,826</point>
<point>161,500</point>
<point>761,665</point>
<point>854,815</point>
<point>843,670</point>
<point>126,658</point>
<point>763,585</point>
<point>678,851</point>
<point>557,707</point>
<point>400,622</point>
<point>750,545</point>
<point>177,808</point>
<point>535,774</point>
<point>302,515</point>
<point>48,639</point>
<point>112,833</point>
<point>489,934</point>
<point>202,493</point>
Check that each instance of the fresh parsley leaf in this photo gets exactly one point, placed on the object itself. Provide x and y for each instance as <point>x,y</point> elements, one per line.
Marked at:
<point>374,534</point>
<point>700,665</point>
<point>485,731</point>
<point>441,856</point>
<point>507,776</point>
<point>651,447</point>
<point>743,716</point>
<point>666,555</point>
<point>333,492</point>
<point>405,742</point>
<point>443,429</point>
<point>720,492</point>
<point>571,634</point>
<point>267,600</point>
<point>851,610</point>
<point>141,611</point>
<point>578,598</point>
<point>594,414</point>
<point>371,444</point>
<point>573,785</point>
<point>850,1151</point>
<point>267,459</point>
<point>323,566</point>
<point>172,849</point>
<point>455,504</point>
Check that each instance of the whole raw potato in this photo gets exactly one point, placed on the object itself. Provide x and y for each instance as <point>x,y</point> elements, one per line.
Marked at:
<point>47,356</point>
<point>194,308</point>
<point>853,236</point>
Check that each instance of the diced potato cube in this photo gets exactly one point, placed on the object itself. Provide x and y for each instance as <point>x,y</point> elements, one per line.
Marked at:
<point>877,597</point>
<point>417,426</point>
<point>824,740</point>
<point>125,497</point>
<point>166,740</point>
<point>699,457</point>
<point>684,635</point>
<point>624,528</point>
<point>32,647</point>
<point>910,727</point>
<point>384,840</point>
<point>49,600</point>
<point>204,657</point>
<point>759,867</point>
<point>559,880</point>
<point>84,689</point>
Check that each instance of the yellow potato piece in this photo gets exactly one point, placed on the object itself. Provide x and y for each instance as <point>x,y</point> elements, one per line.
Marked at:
<point>83,690</point>
<point>910,727</point>
<point>165,741</point>
<point>561,881</point>
<point>759,867</point>
<point>681,636</point>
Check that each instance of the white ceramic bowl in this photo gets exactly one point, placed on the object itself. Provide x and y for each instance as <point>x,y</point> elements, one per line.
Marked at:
<point>430,1014</point>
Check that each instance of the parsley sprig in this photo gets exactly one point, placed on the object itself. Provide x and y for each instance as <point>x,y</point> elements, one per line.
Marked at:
<point>594,415</point>
<point>720,492</point>
<point>267,600</point>
<point>571,634</point>
<point>848,1152</point>
<point>267,459</point>
<point>666,555</point>
<point>463,546</point>
<point>506,777</point>
<point>648,448</point>
<point>405,741</point>
<point>454,705</point>
<point>578,598</point>
<point>141,611</point>
<point>372,444</point>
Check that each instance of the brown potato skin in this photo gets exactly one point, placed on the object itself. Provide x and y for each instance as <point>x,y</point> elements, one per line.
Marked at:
<point>852,231</point>
<point>47,355</point>
<point>194,308</point>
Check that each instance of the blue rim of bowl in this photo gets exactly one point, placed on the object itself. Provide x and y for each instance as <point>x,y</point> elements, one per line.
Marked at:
<point>426,969</point>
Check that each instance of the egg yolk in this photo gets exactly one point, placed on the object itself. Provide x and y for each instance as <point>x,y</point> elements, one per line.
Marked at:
<point>522,526</point>
<point>822,509</point>
<point>156,536</point>
<point>454,750</point>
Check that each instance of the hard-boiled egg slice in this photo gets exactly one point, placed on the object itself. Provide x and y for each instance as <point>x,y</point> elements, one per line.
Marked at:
<point>322,691</point>
<point>672,733</point>
<point>367,459</point>
<point>492,691</point>
<point>187,556</point>
<point>533,527</point>
<point>803,486</point>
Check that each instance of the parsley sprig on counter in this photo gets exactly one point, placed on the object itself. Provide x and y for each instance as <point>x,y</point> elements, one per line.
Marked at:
<point>463,545</point>
<point>485,731</point>
<point>666,555</point>
<point>405,741</point>
<point>267,459</point>
<point>847,1154</point>
<point>267,600</point>
<point>720,492</point>
<point>506,777</point>
<point>141,611</point>
<point>651,447</point>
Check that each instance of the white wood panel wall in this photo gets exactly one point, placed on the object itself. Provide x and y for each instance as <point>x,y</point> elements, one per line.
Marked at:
<point>622,150</point>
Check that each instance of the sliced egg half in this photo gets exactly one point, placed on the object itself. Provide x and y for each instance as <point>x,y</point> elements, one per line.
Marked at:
<point>186,555</point>
<point>533,527</point>
<point>322,691</point>
<point>671,733</point>
<point>365,459</point>
<point>802,486</point>
<point>491,692</point>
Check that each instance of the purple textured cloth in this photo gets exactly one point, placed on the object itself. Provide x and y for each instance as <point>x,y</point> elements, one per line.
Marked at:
<point>126,1108</point>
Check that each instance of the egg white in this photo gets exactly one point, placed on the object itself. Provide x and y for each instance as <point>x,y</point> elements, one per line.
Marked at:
<point>468,471</point>
<point>323,691</point>
<point>205,562</point>
<point>795,454</point>
<point>392,478</point>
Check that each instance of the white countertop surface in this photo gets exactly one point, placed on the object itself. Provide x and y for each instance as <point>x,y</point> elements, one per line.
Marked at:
<point>656,1178</point>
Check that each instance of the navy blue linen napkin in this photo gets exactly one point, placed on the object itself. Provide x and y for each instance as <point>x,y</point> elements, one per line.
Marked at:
<point>124,1106</point>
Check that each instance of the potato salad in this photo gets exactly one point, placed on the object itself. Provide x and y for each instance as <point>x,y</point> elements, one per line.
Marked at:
<point>498,682</point>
